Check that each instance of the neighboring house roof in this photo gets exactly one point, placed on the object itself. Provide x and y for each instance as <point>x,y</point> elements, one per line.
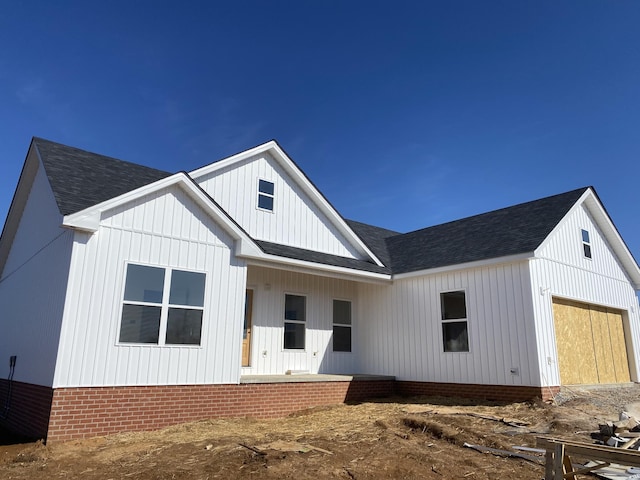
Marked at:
<point>81,179</point>
<point>509,231</point>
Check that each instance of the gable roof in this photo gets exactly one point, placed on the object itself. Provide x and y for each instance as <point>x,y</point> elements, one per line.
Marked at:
<point>300,178</point>
<point>509,231</point>
<point>81,179</point>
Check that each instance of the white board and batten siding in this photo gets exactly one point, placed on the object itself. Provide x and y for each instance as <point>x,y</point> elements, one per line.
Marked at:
<point>401,330</point>
<point>561,270</point>
<point>295,220</point>
<point>268,356</point>
<point>33,285</point>
<point>165,229</point>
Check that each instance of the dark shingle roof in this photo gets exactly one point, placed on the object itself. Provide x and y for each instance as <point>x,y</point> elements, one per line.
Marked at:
<point>375,238</point>
<point>319,257</point>
<point>508,231</point>
<point>80,179</point>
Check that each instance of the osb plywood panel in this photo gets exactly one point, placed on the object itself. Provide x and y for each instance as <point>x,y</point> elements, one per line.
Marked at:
<point>602,345</point>
<point>576,357</point>
<point>590,343</point>
<point>618,345</point>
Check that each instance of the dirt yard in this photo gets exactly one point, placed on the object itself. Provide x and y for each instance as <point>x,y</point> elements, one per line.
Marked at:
<point>395,438</point>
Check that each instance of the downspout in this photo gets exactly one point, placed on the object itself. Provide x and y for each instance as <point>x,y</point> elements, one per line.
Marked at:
<point>7,403</point>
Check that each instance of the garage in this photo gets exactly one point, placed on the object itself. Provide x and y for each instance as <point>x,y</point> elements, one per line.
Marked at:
<point>591,343</point>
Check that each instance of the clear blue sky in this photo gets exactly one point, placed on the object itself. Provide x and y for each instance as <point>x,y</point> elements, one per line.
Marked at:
<point>404,114</point>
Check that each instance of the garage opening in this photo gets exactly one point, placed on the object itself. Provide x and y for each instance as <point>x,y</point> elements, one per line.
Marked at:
<point>591,343</point>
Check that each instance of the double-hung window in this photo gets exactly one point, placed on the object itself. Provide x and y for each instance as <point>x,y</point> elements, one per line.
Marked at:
<point>162,306</point>
<point>266,194</point>
<point>295,321</point>
<point>455,334</point>
<point>586,244</point>
<point>341,326</point>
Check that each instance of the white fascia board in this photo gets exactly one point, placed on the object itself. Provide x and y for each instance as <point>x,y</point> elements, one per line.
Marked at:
<point>292,264</point>
<point>88,220</point>
<point>238,157</point>
<point>466,266</point>
<point>609,230</point>
<point>290,167</point>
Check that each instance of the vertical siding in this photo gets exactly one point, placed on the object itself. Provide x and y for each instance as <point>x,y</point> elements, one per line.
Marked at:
<point>270,287</point>
<point>401,331</point>
<point>295,220</point>
<point>33,286</point>
<point>561,270</point>
<point>165,229</point>
<point>565,246</point>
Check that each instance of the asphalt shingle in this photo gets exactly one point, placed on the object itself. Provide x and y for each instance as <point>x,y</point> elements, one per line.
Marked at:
<point>81,179</point>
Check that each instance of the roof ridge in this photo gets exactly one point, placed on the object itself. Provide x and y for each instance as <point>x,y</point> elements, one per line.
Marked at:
<point>582,189</point>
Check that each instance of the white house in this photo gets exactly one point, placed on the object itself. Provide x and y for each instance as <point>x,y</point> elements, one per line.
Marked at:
<point>133,298</point>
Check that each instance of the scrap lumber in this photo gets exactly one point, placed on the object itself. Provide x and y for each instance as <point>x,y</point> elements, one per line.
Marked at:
<point>556,468</point>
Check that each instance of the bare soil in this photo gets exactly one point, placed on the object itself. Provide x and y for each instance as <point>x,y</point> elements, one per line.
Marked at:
<point>399,438</point>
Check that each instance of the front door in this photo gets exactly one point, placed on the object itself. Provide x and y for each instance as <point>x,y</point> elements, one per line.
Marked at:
<point>246,335</point>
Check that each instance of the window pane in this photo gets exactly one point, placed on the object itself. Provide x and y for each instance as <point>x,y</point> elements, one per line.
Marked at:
<point>140,324</point>
<point>453,305</point>
<point>342,312</point>
<point>585,236</point>
<point>455,337</point>
<point>265,202</point>
<point>184,326</point>
<point>144,284</point>
<point>294,335</point>
<point>341,339</point>
<point>294,308</point>
<point>587,250</point>
<point>187,288</point>
<point>266,187</point>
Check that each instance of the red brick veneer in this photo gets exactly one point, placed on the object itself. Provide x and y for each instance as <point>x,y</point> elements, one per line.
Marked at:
<point>29,408</point>
<point>509,393</point>
<point>95,411</point>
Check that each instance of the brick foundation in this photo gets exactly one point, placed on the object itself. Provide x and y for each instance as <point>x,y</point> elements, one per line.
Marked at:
<point>96,411</point>
<point>72,413</point>
<point>508,393</point>
<point>29,408</point>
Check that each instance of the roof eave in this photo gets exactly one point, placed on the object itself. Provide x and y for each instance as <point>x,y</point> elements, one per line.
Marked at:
<point>519,257</point>
<point>88,220</point>
<point>291,264</point>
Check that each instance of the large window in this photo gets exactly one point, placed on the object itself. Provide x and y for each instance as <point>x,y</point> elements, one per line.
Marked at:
<point>266,193</point>
<point>341,326</point>
<point>162,306</point>
<point>455,335</point>
<point>295,320</point>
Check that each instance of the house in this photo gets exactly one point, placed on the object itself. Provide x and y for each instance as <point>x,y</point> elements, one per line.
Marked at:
<point>134,298</point>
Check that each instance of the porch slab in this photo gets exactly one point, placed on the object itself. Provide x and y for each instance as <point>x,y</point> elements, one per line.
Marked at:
<point>314,377</point>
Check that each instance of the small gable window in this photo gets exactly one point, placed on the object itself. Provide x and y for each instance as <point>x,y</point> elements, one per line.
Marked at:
<point>455,336</point>
<point>162,306</point>
<point>586,244</point>
<point>265,195</point>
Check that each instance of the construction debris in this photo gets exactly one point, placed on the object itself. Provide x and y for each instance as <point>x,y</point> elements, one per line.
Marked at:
<point>421,409</point>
